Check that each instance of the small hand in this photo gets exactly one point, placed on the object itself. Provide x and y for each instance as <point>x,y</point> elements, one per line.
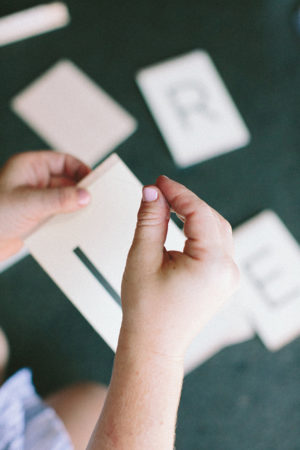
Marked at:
<point>34,186</point>
<point>168,296</point>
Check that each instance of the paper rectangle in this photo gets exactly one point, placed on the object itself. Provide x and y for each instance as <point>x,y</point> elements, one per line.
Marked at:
<point>192,108</point>
<point>74,115</point>
<point>33,21</point>
<point>269,257</point>
<point>103,233</point>
<point>229,326</point>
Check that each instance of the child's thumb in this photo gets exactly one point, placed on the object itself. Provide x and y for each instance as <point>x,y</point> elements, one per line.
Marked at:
<point>151,229</point>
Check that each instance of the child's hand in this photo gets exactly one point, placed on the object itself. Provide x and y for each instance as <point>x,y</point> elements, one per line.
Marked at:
<point>34,186</point>
<point>168,296</point>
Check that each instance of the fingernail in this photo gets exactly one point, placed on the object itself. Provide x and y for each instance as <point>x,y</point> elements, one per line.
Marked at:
<point>149,194</point>
<point>83,197</point>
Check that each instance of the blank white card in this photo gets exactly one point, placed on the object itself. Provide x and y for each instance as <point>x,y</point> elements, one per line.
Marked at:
<point>74,115</point>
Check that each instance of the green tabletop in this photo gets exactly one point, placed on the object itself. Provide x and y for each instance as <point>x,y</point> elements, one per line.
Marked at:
<point>244,397</point>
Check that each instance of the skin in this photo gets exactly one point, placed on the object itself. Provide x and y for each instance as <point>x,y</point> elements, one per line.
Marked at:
<point>33,187</point>
<point>167,297</point>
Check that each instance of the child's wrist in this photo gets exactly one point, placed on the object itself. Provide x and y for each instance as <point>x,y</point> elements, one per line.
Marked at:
<point>154,346</point>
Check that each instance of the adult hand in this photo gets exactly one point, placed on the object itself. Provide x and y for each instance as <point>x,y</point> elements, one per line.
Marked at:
<point>34,186</point>
<point>168,296</point>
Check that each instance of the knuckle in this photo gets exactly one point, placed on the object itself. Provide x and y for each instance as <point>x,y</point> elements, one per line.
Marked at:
<point>227,226</point>
<point>15,159</point>
<point>63,197</point>
<point>184,202</point>
<point>225,270</point>
<point>190,205</point>
<point>231,273</point>
<point>235,273</point>
<point>180,199</point>
<point>205,213</point>
<point>21,157</point>
<point>205,208</point>
<point>148,218</point>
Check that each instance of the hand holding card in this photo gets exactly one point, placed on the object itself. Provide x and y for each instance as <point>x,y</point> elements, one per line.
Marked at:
<point>34,186</point>
<point>85,252</point>
<point>168,296</point>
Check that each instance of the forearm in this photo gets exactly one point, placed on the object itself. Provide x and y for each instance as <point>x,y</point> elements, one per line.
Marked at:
<point>141,407</point>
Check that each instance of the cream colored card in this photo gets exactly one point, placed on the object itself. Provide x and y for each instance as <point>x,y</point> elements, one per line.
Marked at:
<point>73,114</point>
<point>192,108</point>
<point>228,327</point>
<point>269,257</point>
<point>33,21</point>
<point>85,252</point>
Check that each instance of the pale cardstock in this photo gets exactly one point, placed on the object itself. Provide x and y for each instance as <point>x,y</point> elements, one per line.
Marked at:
<point>269,295</point>
<point>227,327</point>
<point>269,257</point>
<point>74,115</point>
<point>33,21</point>
<point>104,232</point>
<point>192,108</point>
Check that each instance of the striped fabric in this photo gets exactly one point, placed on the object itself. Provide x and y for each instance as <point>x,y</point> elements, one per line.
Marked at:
<point>26,423</point>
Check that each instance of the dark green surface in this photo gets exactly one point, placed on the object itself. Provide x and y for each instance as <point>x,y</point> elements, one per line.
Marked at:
<point>245,397</point>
